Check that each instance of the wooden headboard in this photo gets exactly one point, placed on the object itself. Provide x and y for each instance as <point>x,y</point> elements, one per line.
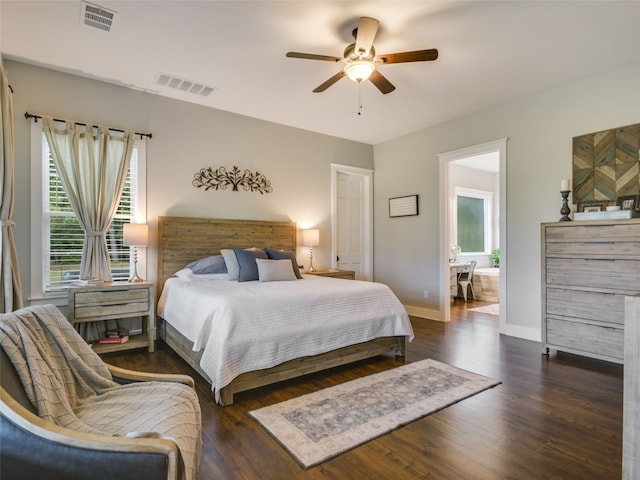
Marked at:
<point>181,240</point>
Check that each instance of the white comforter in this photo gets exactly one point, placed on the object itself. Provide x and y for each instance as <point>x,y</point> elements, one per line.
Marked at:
<point>247,326</point>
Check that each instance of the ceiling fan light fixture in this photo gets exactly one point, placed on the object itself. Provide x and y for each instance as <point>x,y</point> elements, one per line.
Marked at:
<point>360,58</point>
<point>359,70</point>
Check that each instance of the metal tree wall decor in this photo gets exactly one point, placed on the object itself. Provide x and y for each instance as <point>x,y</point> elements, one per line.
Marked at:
<point>221,178</point>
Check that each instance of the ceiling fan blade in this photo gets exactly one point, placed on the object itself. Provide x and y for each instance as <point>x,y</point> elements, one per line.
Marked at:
<point>380,81</point>
<point>415,56</point>
<point>367,29</point>
<point>311,56</point>
<point>328,83</point>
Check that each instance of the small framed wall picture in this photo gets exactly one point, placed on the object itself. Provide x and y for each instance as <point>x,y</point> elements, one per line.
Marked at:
<point>403,206</point>
<point>629,202</point>
<point>599,206</point>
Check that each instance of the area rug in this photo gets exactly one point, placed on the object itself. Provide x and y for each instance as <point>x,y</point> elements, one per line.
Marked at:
<point>493,309</point>
<point>318,426</point>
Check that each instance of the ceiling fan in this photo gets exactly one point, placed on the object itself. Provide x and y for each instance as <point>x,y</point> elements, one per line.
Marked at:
<point>361,61</point>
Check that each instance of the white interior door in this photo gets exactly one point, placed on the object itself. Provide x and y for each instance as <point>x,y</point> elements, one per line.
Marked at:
<point>352,246</point>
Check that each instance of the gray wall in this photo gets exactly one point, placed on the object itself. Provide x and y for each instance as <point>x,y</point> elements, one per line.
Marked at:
<point>186,138</point>
<point>539,128</point>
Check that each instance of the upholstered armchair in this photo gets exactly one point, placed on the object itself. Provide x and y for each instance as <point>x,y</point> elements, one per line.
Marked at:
<point>34,448</point>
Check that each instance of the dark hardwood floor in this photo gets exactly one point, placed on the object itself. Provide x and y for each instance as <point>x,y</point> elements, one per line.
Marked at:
<point>556,417</point>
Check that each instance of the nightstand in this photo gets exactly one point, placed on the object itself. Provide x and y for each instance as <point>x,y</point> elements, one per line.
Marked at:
<point>346,274</point>
<point>116,300</point>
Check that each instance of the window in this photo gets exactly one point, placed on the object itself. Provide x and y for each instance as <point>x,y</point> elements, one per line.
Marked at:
<point>57,252</point>
<point>473,224</point>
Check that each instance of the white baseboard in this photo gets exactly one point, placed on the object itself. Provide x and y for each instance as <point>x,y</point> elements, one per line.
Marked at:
<point>526,333</point>
<point>421,312</point>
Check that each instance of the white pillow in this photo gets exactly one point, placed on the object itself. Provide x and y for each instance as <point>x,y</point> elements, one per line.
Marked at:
<point>230,259</point>
<point>275,270</point>
<point>233,268</point>
<point>184,273</point>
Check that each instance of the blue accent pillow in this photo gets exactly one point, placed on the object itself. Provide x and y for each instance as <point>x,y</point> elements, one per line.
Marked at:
<point>283,255</point>
<point>204,266</point>
<point>247,263</point>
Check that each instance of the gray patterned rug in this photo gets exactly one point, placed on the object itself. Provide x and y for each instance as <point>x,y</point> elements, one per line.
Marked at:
<point>316,427</point>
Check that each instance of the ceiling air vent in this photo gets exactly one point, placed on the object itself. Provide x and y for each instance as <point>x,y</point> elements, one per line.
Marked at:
<point>97,16</point>
<point>188,86</point>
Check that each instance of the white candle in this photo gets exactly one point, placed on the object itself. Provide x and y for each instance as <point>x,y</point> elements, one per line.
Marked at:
<point>564,185</point>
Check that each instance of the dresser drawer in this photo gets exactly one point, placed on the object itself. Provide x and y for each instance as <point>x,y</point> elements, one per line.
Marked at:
<point>345,274</point>
<point>594,241</point>
<point>594,233</point>
<point>619,275</point>
<point>586,338</point>
<point>103,304</point>
<point>112,297</point>
<point>594,249</point>
<point>593,306</point>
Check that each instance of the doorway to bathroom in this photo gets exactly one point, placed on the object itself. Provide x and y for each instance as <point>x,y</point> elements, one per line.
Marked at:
<point>473,189</point>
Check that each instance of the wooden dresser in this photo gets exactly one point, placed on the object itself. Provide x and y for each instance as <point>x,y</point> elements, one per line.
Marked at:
<point>588,267</point>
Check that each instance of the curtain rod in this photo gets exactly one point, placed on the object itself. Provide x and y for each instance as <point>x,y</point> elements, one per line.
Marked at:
<point>28,115</point>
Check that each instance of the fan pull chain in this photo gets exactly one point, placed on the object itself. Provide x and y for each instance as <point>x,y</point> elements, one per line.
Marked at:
<point>360,99</point>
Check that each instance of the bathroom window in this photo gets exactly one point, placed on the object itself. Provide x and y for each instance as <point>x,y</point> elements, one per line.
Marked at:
<point>473,223</point>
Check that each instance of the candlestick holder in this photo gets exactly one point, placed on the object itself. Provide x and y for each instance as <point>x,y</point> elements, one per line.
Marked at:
<point>565,210</point>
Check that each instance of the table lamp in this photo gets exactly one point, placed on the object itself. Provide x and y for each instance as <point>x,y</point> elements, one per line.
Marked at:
<point>311,238</point>
<point>135,235</point>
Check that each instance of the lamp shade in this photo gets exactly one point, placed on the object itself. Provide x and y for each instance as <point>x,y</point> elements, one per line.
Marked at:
<point>311,237</point>
<point>136,234</point>
<point>359,70</point>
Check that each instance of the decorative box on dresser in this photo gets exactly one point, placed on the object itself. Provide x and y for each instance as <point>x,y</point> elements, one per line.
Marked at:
<point>588,267</point>
<point>117,300</point>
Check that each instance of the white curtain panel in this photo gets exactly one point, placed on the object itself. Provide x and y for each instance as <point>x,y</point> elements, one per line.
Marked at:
<point>11,296</point>
<point>92,163</point>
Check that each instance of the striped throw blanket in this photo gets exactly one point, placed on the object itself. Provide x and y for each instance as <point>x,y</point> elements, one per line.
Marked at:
<point>70,385</point>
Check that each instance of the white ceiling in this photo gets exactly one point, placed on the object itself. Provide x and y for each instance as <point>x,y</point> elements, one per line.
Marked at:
<point>490,52</point>
<point>488,162</point>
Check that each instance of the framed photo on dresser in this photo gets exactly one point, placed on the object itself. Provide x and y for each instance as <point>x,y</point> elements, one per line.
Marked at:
<point>629,202</point>
<point>595,206</point>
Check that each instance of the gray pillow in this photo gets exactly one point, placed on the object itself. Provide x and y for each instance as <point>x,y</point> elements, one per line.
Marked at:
<point>283,255</point>
<point>248,270</point>
<point>213,264</point>
<point>275,270</point>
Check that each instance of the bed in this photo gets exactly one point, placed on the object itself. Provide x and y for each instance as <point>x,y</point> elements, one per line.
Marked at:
<point>329,322</point>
